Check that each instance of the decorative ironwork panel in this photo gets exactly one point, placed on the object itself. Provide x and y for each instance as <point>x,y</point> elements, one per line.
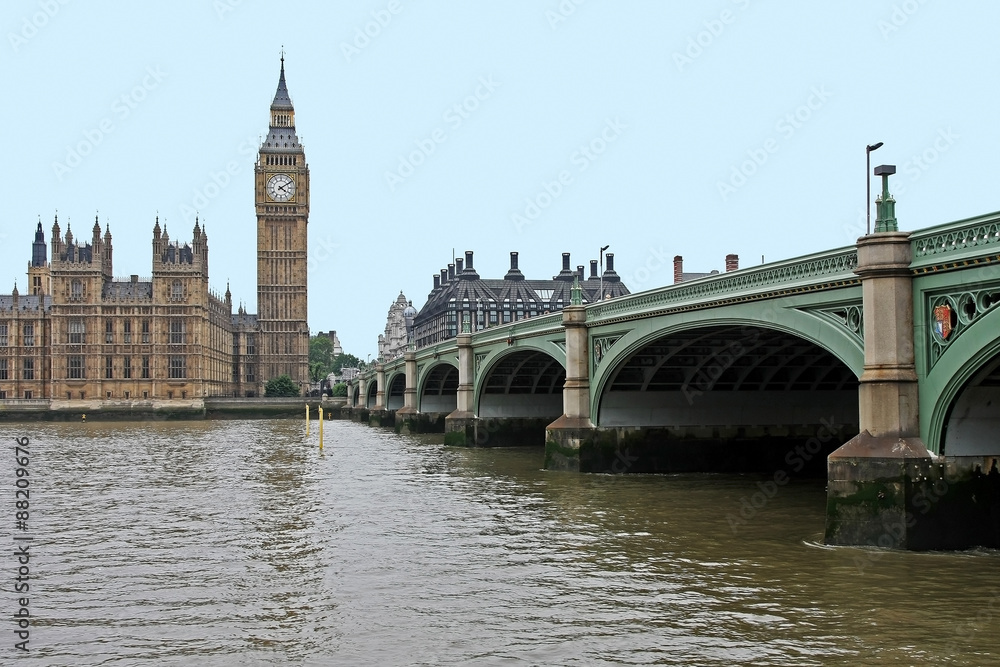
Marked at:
<point>479,361</point>
<point>849,317</point>
<point>954,240</point>
<point>600,349</point>
<point>951,315</point>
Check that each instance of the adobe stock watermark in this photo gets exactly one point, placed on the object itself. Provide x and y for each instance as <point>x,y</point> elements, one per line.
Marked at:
<point>320,252</point>
<point>654,263</point>
<point>121,108</point>
<point>918,164</point>
<point>623,461</point>
<point>704,39</point>
<point>795,460</point>
<point>218,181</point>
<point>982,620</point>
<point>786,126</point>
<point>455,116</point>
<point>562,12</point>
<point>901,14</point>
<point>31,25</point>
<point>582,158</point>
<point>224,7</point>
<point>363,35</point>
<point>894,532</point>
<point>722,359</point>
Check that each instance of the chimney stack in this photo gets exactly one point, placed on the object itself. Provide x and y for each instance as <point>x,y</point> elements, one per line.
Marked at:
<point>437,282</point>
<point>451,272</point>
<point>458,266</point>
<point>732,262</point>
<point>609,275</point>
<point>444,277</point>
<point>513,273</point>
<point>579,272</point>
<point>678,269</point>
<point>567,273</point>
<point>468,259</point>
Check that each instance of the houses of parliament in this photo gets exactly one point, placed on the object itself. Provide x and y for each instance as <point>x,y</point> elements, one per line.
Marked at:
<point>81,334</point>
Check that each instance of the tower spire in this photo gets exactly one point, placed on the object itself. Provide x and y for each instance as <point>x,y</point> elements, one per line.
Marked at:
<point>282,101</point>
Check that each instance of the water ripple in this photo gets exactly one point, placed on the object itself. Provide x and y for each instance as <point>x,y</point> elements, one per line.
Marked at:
<point>240,543</point>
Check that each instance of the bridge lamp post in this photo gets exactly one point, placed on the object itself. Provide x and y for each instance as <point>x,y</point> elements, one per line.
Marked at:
<point>600,290</point>
<point>868,182</point>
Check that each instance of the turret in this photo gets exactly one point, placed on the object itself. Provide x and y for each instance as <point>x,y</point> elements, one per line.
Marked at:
<point>56,242</point>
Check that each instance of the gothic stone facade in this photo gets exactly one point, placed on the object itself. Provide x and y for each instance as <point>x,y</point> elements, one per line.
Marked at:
<point>392,342</point>
<point>81,334</point>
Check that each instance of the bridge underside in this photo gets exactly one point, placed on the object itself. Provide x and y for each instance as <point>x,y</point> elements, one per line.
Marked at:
<point>394,393</point>
<point>440,390</point>
<point>724,398</point>
<point>521,394</point>
<point>973,424</point>
<point>525,384</point>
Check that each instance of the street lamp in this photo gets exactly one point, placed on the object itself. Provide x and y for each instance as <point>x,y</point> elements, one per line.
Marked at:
<point>600,289</point>
<point>868,182</point>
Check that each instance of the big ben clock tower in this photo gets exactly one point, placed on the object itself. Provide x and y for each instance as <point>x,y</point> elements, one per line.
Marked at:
<point>281,187</point>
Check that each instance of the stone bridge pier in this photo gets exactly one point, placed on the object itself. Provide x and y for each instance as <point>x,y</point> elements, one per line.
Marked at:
<point>884,487</point>
<point>873,478</point>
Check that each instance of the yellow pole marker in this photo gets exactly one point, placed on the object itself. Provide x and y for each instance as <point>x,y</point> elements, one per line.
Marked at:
<point>307,420</point>
<point>321,428</point>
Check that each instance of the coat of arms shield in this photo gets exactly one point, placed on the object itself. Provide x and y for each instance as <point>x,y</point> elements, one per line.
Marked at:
<point>942,320</point>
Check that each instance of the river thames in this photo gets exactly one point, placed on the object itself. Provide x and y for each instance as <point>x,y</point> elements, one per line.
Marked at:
<point>241,543</point>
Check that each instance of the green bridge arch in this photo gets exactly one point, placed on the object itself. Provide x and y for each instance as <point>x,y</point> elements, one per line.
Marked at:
<point>791,318</point>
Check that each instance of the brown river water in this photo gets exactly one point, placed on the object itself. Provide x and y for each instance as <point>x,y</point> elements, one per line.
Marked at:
<point>241,543</point>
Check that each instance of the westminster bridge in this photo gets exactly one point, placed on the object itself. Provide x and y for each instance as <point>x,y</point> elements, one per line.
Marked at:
<point>876,364</point>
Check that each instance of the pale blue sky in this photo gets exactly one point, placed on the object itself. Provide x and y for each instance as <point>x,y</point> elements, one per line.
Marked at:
<point>674,100</point>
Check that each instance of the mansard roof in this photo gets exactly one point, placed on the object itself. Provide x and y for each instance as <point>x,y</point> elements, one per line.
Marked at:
<point>126,289</point>
<point>26,302</point>
<point>244,319</point>
<point>547,295</point>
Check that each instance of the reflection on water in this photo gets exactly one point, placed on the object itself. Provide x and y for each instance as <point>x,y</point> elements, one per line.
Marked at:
<point>226,543</point>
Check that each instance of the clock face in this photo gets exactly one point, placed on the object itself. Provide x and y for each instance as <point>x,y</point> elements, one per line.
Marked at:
<point>280,187</point>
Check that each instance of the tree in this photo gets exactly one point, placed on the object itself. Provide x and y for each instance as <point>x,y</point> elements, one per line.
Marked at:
<point>346,361</point>
<point>321,354</point>
<point>317,371</point>
<point>280,386</point>
<point>339,389</point>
